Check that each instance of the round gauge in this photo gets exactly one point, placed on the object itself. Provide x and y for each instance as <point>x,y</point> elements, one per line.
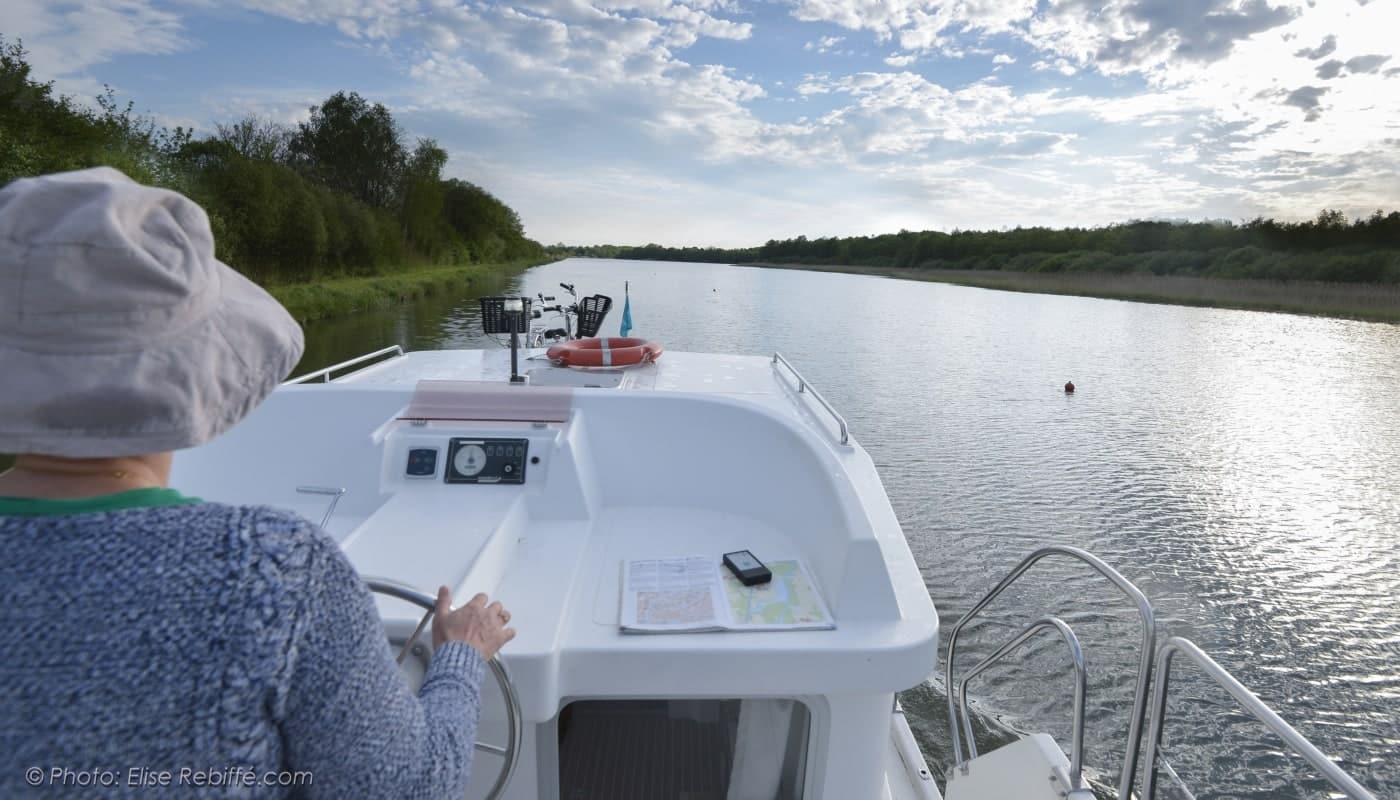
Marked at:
<point>469,460</point>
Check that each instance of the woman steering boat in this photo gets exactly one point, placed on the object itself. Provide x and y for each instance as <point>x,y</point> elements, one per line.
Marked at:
<point>150,640</point>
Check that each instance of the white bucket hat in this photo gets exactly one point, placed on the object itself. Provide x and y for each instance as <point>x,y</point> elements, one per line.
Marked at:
<point>120,333</point>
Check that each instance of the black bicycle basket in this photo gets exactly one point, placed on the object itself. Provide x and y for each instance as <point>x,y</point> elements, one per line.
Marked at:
<point>495,320</point>
<point>591,311</point>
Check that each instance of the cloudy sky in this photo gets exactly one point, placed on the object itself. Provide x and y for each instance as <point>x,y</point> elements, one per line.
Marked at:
<point>709,122</point>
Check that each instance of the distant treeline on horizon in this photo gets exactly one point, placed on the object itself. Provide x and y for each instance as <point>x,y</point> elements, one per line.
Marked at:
<point>341,194</point>
<point>1328,248</point>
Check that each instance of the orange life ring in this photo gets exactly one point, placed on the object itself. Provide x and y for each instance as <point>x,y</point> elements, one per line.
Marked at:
<point>617,351</point>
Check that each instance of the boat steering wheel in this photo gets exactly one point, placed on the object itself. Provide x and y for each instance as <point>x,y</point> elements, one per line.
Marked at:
<point>511,751</point>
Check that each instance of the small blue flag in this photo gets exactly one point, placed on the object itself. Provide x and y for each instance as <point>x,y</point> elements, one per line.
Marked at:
<point>626,312</point>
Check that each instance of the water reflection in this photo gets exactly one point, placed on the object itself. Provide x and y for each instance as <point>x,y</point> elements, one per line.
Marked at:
<point>1239,466</point>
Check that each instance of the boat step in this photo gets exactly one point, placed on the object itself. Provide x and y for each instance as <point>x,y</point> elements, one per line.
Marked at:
<point>1032,768</point>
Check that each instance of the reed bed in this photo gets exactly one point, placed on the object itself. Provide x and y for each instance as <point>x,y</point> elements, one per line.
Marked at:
<point>1357,300</point>
<point>1366,301</point>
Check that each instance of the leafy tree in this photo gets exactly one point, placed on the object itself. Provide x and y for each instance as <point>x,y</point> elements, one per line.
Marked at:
<point>354,147</point>
<point>423,195</point>
<point>41,132</point>
<point>483,221</point>
<point>257,138</point>
<point>337,195</point>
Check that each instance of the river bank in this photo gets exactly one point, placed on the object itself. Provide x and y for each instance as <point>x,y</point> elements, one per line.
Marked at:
<point>340,297</point>
<point>1365,301</point>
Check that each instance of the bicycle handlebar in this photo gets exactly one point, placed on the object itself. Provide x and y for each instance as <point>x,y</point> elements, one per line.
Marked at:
<point>558,308</point>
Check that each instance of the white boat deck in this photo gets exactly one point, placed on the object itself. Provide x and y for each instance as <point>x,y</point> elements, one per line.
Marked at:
<point>694,454</point>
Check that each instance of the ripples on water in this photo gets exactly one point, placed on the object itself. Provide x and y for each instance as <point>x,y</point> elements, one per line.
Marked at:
<point>1240,467</point>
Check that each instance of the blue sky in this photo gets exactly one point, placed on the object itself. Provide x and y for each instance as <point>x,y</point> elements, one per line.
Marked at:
<point>707,122</point>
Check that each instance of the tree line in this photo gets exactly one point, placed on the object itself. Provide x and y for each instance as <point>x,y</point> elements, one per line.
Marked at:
<point>1327,248</point>
<point>342,193</point>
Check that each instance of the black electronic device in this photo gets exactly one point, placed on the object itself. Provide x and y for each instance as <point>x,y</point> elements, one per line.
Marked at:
<point>747,568</point>
<point>471,460</point>
<point>422,462</point>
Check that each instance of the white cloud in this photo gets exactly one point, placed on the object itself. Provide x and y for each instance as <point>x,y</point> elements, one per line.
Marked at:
<point>1308,98</point>
<point>536,59</point>
<point>284,105</point>
<point>903,60</point>
<point>1325,48</point>
<point>1059,65</point>
<point>918,24</point>
<point>454,85</point>
<point>824,44</point>
<point>1153,37</point>
<point>65,39</point>
<point>447,23</point>
<point>1003,58</point>
<point>905,115</point>
<point>1118,37</point>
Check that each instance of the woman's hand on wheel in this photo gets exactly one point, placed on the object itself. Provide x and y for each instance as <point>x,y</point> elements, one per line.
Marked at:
<point>480,623</point>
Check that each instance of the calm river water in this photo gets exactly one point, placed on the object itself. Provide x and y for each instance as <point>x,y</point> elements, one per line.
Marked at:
<point>1240,467</point>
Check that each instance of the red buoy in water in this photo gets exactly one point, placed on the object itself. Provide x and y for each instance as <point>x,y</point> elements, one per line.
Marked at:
<point>1069,387</point>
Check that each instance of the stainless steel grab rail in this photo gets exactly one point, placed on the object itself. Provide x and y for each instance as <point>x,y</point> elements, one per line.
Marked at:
<point>804,386</point>
<point>1149,637</point>
<point>1076,753</point>
<point>324,373</point>
<point>333,492</point>
<point>1249,702</point>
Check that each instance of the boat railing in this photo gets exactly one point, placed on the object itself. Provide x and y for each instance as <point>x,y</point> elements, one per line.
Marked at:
<point>804,386</point>
<point>333,492</point>
<point>1140,692</point>
<point>324,373</point>
<point>1247,700</point>
<point>1076,756</point>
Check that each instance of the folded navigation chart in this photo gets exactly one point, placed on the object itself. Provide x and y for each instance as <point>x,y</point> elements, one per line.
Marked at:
<point>689,594</point>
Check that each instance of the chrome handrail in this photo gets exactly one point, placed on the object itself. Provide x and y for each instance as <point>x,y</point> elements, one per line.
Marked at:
<point>1076,754</point>
<point>804,386</point>
<point>333,492</point>
<point>1149,637</point>
<point>511,752</point>
<point>1249,702</point>
<point>324,373</point>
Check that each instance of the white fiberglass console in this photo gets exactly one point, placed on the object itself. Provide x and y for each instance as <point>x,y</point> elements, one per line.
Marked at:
<point>537,494</point>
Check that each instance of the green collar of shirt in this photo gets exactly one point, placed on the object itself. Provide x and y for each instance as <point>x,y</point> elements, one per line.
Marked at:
<point>136,498</point>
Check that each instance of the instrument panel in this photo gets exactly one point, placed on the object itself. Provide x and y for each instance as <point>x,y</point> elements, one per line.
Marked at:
<point>418,455</point>
<point>484,460</point>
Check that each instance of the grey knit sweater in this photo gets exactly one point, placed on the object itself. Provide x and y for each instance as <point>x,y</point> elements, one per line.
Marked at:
<point>148,649</point>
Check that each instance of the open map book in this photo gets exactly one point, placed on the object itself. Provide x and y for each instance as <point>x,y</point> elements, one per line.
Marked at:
<point>696,593</point>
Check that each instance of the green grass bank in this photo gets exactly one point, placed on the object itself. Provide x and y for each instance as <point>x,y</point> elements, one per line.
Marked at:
<point>1365,301</point>
<point>340,297</point>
